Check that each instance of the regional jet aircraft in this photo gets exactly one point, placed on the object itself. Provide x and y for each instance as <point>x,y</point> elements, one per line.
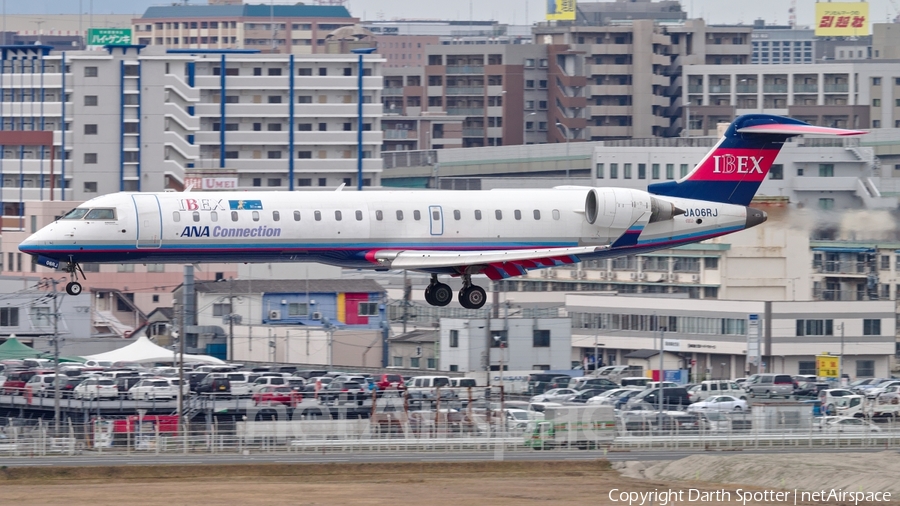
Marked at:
<point>498,233</point>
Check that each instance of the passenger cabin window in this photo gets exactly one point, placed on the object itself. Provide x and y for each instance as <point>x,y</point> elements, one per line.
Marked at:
<point>317,215</point>
<point>78,213</point>
<point>379,215</point>
<point>337,216</point>
<point>556,214</point>
<point>101,214</point>
<point>399,215</point>
<point>457,215</point>
<point>417,215</point>
<point>214,216</point>
<point>498,214</point>
<point>435,215</point>
<point>276,216</point>
<point>176,216</point>
<point>358,215</point>
<point>477,214</point>
<point>196,216</point>
<point>537,214</point>
<point>255,215</point>
<point>296,215</point>
<point>234,215</point>
<point>517,214</point>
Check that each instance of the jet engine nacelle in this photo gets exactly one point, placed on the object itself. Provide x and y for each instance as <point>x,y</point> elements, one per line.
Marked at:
<point>618,208</point>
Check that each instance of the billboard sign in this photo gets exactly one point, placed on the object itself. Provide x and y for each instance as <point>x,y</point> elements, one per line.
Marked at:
<point>842,19</point>
<point>211,183</point>
<point>560,10</point>
<point>109,36</point>
<point>828,366</point>
<point>753,339</point>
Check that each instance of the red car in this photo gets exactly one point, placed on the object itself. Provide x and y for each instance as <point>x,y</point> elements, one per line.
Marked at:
<point>15,381</point>
<point>385,381</point>
<point>277,395</point>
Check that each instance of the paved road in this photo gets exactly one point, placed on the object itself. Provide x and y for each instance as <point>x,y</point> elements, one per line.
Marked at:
<point>374,457</point>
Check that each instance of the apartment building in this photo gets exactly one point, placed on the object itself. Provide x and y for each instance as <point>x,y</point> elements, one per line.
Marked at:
<point>783,45</point>
<point>849,95</point>
<point>294,29</point>
<point>447,32</point>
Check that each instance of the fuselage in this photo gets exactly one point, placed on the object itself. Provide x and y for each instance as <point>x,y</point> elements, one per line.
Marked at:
<point>345,227</point>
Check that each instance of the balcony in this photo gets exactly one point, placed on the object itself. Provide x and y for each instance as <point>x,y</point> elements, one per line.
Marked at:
<point>393,92</point>
<point>473,132</point>
<point>837,88</point>
<point>746,88</point>
<point>465,90</point>
<point>465,69</point>
<point>806,88</point>
<point>465,111</point>
<point>695,88</point>
<point>720,88</point>
<point>775,88</point>
<point>400,134</point>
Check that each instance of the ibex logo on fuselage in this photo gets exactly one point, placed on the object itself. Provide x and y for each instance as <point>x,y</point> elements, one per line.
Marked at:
<point>729,164</point>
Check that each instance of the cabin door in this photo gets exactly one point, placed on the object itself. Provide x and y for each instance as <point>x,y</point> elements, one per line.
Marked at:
<point>436,215</point>
<point>149,221</point>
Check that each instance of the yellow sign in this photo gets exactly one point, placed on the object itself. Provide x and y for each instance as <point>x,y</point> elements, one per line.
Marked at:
<point>828,366</point>
<point>842,19</point>
<point>560,10</point>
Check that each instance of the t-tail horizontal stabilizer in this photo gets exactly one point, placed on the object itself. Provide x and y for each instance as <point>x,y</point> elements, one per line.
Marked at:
<point>735,167</point>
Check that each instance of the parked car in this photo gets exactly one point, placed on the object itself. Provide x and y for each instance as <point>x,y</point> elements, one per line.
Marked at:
<point>385,381</point>
<point>343,391</point>
<point>185,389</point>
<point>463,383</point>
<point>539,383</point>
<point>310,373</point>
<point>154,389</point>
<point>584,383</point>
<point>96,388</point>
<point>719,403</point>
<point>16,380</point>
<point>214,385</point>
<point>555,395</point>
<point>634,381</point>
<point>66,386</point>
<point>672,398</point>
<point>849,425</point>
<point>125,383</point>
<point>584,395</point>
<point>881,388</point>
<point>277,395</point>
<point>609,397</point>
<point>268,381</point>
<point>771,385</point>
<point>39,384</point>
<point>427,387</point>
<point>706,389</point>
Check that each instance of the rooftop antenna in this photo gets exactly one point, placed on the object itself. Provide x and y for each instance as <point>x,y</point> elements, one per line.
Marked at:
<point>792,15</point>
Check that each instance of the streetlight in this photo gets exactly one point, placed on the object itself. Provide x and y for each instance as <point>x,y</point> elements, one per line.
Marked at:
<point>524,123</point>
<point>359,112</point>
<point>564,127</point>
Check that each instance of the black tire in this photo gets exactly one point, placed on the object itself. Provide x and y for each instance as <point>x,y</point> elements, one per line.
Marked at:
<point>472,297</point>
<point>441,294</point>
<point>428,298</point>
<point>73,288</point>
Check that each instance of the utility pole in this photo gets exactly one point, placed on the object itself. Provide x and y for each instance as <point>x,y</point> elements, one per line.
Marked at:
<point>53,282</point>
<point>841,359</point>
<point>662,376</point>
<point>568,162</point>
<point>231,319</point>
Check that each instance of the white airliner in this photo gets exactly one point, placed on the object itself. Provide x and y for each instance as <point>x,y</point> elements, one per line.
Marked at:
<point>499,233</point>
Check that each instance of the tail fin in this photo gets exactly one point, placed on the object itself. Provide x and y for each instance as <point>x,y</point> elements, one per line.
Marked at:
<point>735,167</point>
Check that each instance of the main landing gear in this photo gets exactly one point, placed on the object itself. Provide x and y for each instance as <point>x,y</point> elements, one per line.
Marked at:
<point>74,287</point>
<point>470,296</point>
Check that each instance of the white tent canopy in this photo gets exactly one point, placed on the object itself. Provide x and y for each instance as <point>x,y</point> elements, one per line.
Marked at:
<point>145,351</point>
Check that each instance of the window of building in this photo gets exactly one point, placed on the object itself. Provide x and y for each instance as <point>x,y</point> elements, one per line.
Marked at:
<point>806,367</point>
<point>273,155</point>
<point>815,328</point>
<point>413,362</point>
<point>431,363</point>
<point>626,171</point>
<point>304,72</point>
<point>323,127</point>
<point>257,71</point>
<point>368,309</point>
<point>540,339</point>
<point>90,129</point>
<point>454,339</point>
<point>876,81</point>
<point>90,158</point>
<point>397,361</point>
<point>614,171</point>
<point>323,71</point>
<point>826,170</point>
<point>304,127</point>
<point>499,337</point>
<point>273,127</point>
<point>304,99</point>
<point>9,317</point>
<point>323,181</point>
<point>684,170</point>
<point>90,187</point>
<point>826,203</point>
<point>90,100</point>
<point>670,171</point>
<point>876,123</point>
<point>871,327</point>
<point>273,181</point>
<point>776,171</point>
<point>885,262</point>
<point>90,72</point>
<point>876,102</point>
<point>864,368</point>
<point>274,99</point>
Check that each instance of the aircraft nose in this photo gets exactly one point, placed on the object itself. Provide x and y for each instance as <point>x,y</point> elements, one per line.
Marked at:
<point>755,217</point>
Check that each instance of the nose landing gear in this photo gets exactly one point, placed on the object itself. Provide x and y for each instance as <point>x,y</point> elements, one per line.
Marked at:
<point>74,287</point>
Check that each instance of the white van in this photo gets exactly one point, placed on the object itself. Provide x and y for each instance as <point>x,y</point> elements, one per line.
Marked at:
<point>239,381</point>
<point>710,388</point>
<point>426,387</point>
<point>635,381</point>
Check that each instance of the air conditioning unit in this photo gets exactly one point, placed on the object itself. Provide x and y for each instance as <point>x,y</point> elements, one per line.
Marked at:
<point>633,275</point>
<point>551,273</point>
<point>695,278</point>
<point>274,314</point>
<point>575,274</point>
<point>642,275</point>
<point>545,273</point>
<point>581,274</point>
<point>317,316</point>
<point>602,274</point>
<point>673,277</point>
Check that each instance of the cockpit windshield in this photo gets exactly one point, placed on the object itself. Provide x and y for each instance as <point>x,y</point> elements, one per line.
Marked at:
<point>76,214</point>
<point>90,214</point>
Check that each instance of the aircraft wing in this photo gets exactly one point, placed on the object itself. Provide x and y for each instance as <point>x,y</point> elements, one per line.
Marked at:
<point>496,264</point>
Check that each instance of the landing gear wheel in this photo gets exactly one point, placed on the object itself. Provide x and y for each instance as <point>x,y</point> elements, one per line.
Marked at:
<point>441,294</point>
<point>428,297</point>
<point>73,288</point>
<point>472,297</point>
